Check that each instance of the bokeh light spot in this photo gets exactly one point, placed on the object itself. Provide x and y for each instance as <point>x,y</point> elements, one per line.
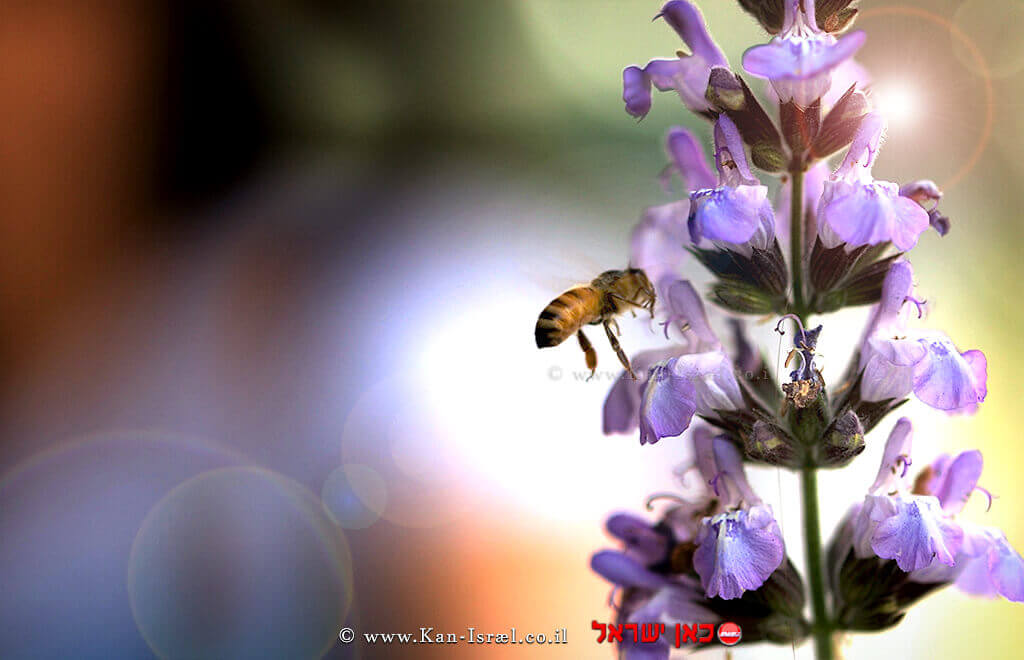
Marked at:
<point>354,496</point>
<point>239,562</point>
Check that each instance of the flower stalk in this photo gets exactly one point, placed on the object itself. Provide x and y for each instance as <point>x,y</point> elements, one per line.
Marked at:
<point>796,241</point>
<point>821,625</point>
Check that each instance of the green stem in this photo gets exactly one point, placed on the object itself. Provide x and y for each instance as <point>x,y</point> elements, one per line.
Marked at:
<point>821,625</point>
<point>796,240</point>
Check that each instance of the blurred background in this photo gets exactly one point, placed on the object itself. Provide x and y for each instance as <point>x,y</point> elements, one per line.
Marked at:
<point>268,278</point>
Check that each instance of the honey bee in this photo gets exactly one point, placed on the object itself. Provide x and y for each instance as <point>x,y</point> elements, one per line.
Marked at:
<point>611,293</point>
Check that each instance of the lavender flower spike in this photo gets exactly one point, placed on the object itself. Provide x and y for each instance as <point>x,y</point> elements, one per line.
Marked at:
<point>856,209</point>
<point>799,62</point>
<point>738,550</point>
<point>687,74</point>
<point>736,214</point>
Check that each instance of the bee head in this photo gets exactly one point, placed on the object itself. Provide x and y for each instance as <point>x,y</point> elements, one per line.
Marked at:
<point>645,290</point>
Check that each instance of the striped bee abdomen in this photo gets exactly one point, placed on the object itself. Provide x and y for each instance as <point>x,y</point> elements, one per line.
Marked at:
<point>566,314</point>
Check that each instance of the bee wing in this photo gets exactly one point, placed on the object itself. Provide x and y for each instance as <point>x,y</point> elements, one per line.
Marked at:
<point>558,273</point>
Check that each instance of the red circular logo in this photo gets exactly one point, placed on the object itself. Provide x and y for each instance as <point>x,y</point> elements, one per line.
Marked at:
<point>729,633</point>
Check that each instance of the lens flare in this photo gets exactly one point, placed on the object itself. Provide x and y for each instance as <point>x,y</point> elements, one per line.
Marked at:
<point>354,496</point>
<point>239,562</point>
<point>897,101</point>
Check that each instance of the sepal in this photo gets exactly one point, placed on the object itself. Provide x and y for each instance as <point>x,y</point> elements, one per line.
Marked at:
<point>749,285</point>
<point>841,278</point>
<point>769,13</point>
<point>873,594</point>
<point>840,124</point>
<point>728,93</point>
<point>800,127</point>
<point>834,15</point>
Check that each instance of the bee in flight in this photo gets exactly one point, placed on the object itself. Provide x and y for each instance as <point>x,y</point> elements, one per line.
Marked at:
<point>611,293</point>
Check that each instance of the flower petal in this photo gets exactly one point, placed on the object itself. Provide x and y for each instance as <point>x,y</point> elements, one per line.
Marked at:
<point>618,568</point>
<point>727,214</point>
<point>688,159</point>
<point>917,534</point>
<point>636,91</point>
<point>1006,567</point>
<point>713,379</point>
<point>685,304</point>
<point>954,485</point>
<point>882,380</point>
<point>738,551</point>
<point>668,405</point>
<point>689,24</point>
<point>621,407</point>
<point>945,379</point>
<point>871,213</point>
<point>639,536</point>
<point>896,456</point>
<point>658,240</point>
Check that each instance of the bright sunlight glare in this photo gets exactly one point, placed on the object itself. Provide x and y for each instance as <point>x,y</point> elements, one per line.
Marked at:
<point>897,102</point>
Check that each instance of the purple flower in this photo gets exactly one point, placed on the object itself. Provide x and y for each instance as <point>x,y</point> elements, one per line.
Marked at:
<point>856,209</point>
<point>622,405</point>
<point>737,213</point>
<point>652,593</point>
<point>800,60</point>
<point>682,386</point>
<point>623,570</point>
<point>993,568</point>
<point>687,159</point>
<point>927,194</point>
<point>686,310</point>
<point>739,549</point>
<point>952,480</point>
<point>657,245</point>
<point>915,533</point>
<point>895,524</point>
<point>640,538</point>
<point>987,565</point>
<point>687,74</point>
<point>668,404</point>
<point>658,241</point>
<point>626,397</point>
<point>896,360</point>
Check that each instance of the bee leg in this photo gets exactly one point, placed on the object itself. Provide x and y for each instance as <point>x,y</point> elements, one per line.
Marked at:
<point>589,353</point>
<point>618,349</point>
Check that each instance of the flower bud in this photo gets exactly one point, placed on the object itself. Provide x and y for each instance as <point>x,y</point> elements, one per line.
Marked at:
<point>843,440</point>
<point>770,444</point>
